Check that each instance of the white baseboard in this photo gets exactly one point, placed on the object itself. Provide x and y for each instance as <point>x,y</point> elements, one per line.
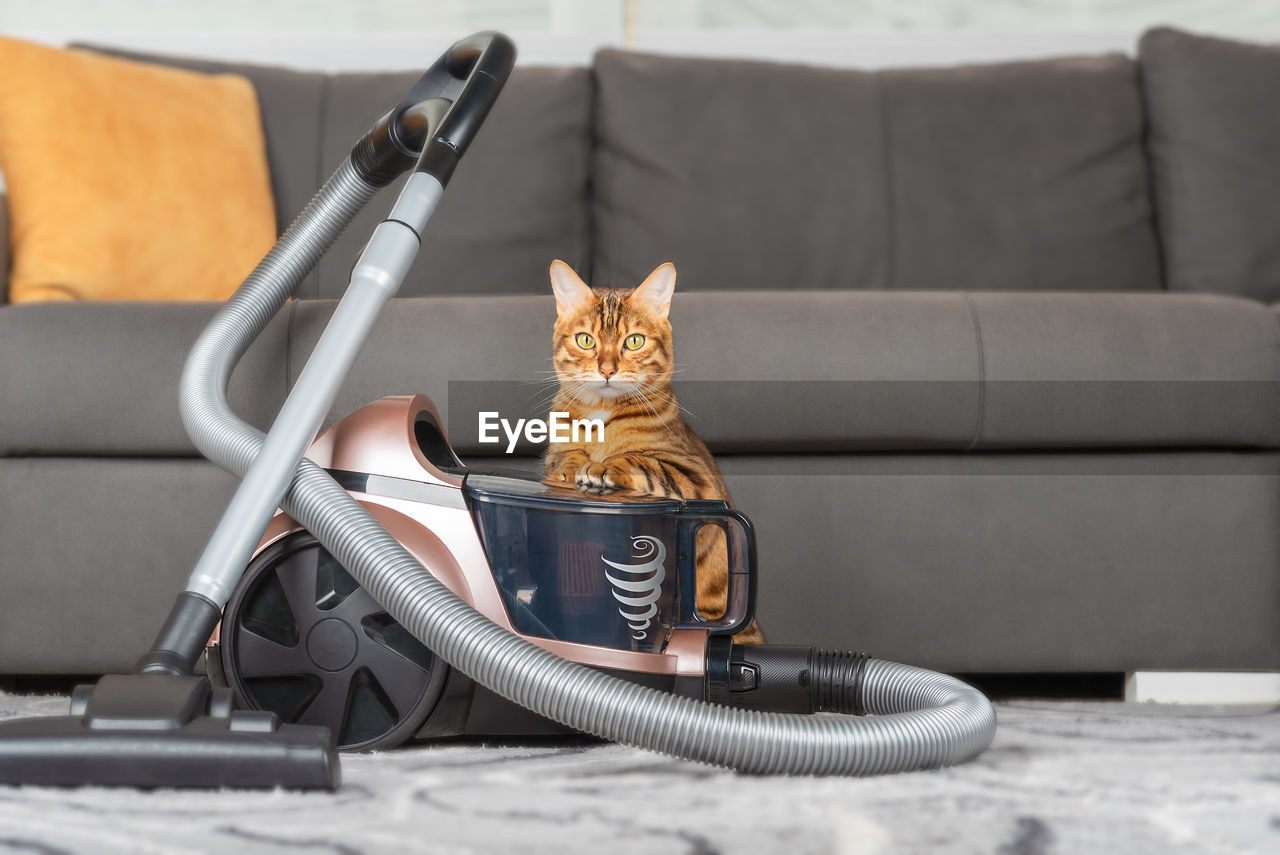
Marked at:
<point>1202,687</point>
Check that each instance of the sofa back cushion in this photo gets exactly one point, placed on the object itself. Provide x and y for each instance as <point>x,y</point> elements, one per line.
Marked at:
<point>1215,136</point>
<point>517,200</point>
<point>751,175</point>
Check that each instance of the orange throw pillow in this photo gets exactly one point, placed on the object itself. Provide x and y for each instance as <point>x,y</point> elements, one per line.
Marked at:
<point>129,181</point>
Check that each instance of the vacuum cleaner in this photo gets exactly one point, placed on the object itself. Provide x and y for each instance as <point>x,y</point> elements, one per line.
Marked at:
<point>606,582</point>
<point>370,588</point>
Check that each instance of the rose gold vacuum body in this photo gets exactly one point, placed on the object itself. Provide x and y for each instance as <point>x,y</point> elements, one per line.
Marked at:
<point>394,459</point>
<point>379,439</point>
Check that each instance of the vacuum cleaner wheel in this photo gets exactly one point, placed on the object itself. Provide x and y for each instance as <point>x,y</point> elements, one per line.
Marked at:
<point>301,638</point>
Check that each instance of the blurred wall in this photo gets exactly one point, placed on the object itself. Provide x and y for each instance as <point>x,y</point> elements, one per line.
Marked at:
<point>381,34</point>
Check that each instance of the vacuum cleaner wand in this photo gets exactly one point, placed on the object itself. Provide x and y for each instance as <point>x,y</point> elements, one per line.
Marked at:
<point>162,726</point>
<point>459,89</point>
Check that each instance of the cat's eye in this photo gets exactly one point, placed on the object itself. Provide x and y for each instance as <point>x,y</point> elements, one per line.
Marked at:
<point>585,340</point>
<point>635,341</point>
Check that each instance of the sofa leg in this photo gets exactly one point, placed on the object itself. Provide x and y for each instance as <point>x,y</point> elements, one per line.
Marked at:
<point>1202,687</point>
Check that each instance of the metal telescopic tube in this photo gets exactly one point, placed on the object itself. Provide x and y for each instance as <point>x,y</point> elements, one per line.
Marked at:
<point>202,393</point>
<point>375,279</point>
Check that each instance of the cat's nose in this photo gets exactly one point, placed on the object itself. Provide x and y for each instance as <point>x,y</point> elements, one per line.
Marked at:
<point>606,373</point>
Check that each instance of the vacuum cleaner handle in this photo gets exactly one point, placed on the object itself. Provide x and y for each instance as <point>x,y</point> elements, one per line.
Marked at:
<point>484,62</point>
<point>740,543</point>
<point>434,123</point>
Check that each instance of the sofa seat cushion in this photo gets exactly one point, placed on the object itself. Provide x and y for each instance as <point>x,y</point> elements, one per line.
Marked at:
<point>90,379</point>
<point>1127,370</point>
<point>800,372</point>
<point>820,372</point>
<point>805,371</point>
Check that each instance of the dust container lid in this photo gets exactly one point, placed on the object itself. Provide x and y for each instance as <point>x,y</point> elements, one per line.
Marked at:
<point>617,570</point>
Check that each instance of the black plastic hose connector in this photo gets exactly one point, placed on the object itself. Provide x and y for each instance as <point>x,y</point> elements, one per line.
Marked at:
<point>786,678</point>
<point>183,637</point>
<point>836,681</point>
<point>378,157</point>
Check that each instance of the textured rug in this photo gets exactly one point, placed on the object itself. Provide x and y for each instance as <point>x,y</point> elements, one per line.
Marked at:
<point>1061,777</point>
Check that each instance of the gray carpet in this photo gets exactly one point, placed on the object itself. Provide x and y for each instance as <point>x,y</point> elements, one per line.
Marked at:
<point>1061,777</point>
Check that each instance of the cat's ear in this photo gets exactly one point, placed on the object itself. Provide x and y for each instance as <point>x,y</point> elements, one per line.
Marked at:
<point>655,291</point>
<point>571,292</point>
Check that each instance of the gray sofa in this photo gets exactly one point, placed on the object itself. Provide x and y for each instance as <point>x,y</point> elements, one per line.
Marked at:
<point>987,353</point>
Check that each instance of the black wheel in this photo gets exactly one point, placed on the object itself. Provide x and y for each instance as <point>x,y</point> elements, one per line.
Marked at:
<point>301,638</point>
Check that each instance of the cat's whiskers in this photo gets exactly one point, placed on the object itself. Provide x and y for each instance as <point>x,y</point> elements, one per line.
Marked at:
<point>572,391</point>
<point>668,376</point>
<point>545,402</point>
<point>666,397</point>
<point>674,400</point>
<point>639,397</point>
<point>545,395</point>
<point>648,405</point>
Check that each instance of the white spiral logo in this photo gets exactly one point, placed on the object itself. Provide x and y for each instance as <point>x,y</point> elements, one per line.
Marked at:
<point>640,600</point>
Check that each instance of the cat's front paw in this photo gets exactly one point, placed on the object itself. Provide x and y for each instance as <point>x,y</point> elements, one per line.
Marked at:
<point>567,472</point>
<point>598,477</point>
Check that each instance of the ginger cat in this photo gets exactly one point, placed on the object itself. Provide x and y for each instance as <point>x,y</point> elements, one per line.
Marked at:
<point>613,359</point>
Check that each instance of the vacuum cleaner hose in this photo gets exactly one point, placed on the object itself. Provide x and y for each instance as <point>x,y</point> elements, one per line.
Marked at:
<point>919,719</point>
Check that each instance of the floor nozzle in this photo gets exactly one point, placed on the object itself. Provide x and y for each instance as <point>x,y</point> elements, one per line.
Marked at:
<point>157,730</point>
